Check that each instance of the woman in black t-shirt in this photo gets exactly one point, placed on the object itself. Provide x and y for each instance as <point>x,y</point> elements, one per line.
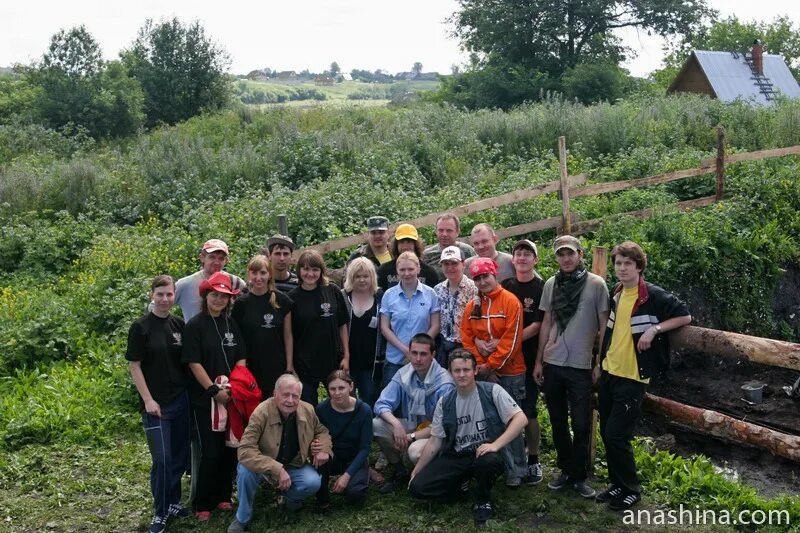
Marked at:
<point>265,317</point>
<point>406,239</point>
<point>212,345</point>
<point>154,352</point>
<point>319,325</point>
<point>367,348</point>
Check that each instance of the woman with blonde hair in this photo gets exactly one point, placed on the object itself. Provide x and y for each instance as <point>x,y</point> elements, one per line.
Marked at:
<point>319,325</point>
<point>367,347</point>
<point>265,317</point>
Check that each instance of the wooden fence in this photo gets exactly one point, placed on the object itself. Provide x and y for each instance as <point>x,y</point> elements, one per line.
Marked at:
<point>570,187</point>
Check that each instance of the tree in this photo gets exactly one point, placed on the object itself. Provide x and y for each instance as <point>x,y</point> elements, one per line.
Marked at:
<point>594,82</point>
<point>552,35</point>
<point>75,87</point>
<point>416,70</point>
<point>778,37</point>
<point>182,72</point>
<point>335,70</point>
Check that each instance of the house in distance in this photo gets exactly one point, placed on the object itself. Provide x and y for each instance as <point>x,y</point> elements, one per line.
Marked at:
<point>751,76</point>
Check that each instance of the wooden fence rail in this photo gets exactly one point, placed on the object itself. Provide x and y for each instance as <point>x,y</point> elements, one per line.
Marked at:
<point>570,187</point>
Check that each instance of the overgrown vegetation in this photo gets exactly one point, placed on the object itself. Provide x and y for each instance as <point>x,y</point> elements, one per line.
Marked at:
<point>86,224</point>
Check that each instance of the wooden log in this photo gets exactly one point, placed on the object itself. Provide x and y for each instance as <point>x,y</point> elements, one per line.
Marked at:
<point>708,422</point>
<point>727,344</point>
<point>720,162</point>
<point>566,219</point>
<point>521,229</point>
<point>614,186</point>
<point>283,225</point>
<point>755,156</point>
<point>593,224</point>
<point>474,207</point>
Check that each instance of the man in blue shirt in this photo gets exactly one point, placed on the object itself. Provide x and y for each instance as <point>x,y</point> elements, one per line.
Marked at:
<point>414,390</point>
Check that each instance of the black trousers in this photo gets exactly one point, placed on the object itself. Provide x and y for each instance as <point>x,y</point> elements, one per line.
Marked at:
<point>567,394</point>
<point>356,489</point>
<point>620,409</point>
<point>216,465</point>
<point>442,477</point>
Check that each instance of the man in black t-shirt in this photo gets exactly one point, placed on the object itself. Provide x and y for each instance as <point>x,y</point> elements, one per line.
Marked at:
<point>527,287</point>
<point>279,249</point>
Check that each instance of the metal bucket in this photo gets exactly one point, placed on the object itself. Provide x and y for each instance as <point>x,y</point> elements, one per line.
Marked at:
<point>753,391</point>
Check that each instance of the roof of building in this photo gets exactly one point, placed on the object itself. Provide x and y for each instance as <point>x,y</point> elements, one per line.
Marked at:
<point>731,76</point>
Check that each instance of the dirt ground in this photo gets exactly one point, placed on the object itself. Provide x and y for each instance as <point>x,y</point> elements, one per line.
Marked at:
<point>715,383</point>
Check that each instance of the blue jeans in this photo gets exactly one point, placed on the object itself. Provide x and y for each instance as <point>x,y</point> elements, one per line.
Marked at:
<point>305,482</point>
<point>367,389</point>
<point>514,452</point>
<point>389,370</point>
<point>168,441</point>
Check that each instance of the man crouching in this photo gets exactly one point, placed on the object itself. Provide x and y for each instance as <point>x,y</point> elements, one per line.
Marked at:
<point>471,424</point>
<point>277,444</point>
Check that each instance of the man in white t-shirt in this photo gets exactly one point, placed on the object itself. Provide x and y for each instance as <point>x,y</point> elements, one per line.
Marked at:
<point>484,239</point>
<point>471,426</point>
<point>213,258</point>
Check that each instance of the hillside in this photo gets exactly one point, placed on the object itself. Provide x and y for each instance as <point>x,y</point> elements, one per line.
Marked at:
<point>85,225</point>
<point>304,93</point>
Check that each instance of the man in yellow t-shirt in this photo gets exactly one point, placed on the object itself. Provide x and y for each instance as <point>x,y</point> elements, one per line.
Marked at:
<point>634,350</point>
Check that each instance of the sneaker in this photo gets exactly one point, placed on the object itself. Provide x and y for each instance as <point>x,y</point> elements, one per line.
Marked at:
<point>623,502</point>
<point>583,488</point>
<point>482,513</point>
<point>178,511</point>
<point>158,525</point>
<point>513,482</point>
<point>237,527</point>
<point>382,462</point>
<point>464,486</point>
<point>609,494</point>
<point>225,506</point>
<point>560,482</point>
<point>203,516</point>
<point>398,480</point>
<point>534,474</point>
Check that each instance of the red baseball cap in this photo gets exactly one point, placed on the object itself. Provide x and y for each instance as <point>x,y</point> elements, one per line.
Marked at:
<point>215,245</point>
<point>482,265</point>
<point>219,282</point>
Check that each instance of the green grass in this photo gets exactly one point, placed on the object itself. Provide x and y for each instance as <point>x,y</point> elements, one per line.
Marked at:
<point>336,94</point>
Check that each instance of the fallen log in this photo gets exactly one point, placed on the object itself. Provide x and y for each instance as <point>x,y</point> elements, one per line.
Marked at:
<point>724,343</point>
<point>707,422</point>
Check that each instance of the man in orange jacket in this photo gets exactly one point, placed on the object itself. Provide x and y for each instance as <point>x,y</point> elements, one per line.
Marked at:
<point>491,329</point>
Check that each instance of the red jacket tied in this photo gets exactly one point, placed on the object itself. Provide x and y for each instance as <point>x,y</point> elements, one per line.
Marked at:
<point>245,397</point>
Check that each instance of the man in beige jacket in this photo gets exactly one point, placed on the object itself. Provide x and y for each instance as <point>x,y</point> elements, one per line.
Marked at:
<point>277,444</point>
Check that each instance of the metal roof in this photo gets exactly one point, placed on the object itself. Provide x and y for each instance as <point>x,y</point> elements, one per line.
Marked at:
<point>730,76</point>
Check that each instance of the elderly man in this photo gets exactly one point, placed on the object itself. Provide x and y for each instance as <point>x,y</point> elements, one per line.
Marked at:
<point>484,239</point>
<point>454,294</point>
<point>471,426</point>
<point>414,389</point>
<point>376,249</point>
<point>447,227</point>
<point>213,258</point>
<point>279,249</point>
<point>277,445</point>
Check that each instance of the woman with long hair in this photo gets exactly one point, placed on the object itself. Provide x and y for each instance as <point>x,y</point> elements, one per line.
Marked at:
<point>319,325</point>
<point>154,355</point>
<point>265,317</point>
<point>367,348</point>
<point>406,239</point>
<point>350,424</point>
<point>212,346</point>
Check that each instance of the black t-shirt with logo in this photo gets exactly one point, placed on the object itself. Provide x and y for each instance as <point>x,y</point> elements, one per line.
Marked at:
<point>215,343</point>
<point>157,343</point>
<point>387,275</point>
<point>316,318</point>
<point>529,293</point>
<point>262,328</point>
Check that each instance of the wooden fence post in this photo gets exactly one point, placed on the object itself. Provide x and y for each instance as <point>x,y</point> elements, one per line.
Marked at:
<point>283,225</point>
<point>720,163</point>
<point>566,219</point>
<point>599,267</point>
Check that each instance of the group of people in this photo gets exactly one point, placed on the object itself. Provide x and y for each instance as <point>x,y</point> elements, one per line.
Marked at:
<point>437,354</point>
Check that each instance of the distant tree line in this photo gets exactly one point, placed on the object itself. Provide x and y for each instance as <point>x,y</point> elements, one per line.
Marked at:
<point>335,72</point>
<point>170,72</point>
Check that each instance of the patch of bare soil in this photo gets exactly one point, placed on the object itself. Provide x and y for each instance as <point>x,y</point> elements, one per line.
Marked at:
<point>715,383</point>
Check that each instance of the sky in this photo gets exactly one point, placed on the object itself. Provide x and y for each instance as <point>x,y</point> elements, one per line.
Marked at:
<point>300,34</point>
